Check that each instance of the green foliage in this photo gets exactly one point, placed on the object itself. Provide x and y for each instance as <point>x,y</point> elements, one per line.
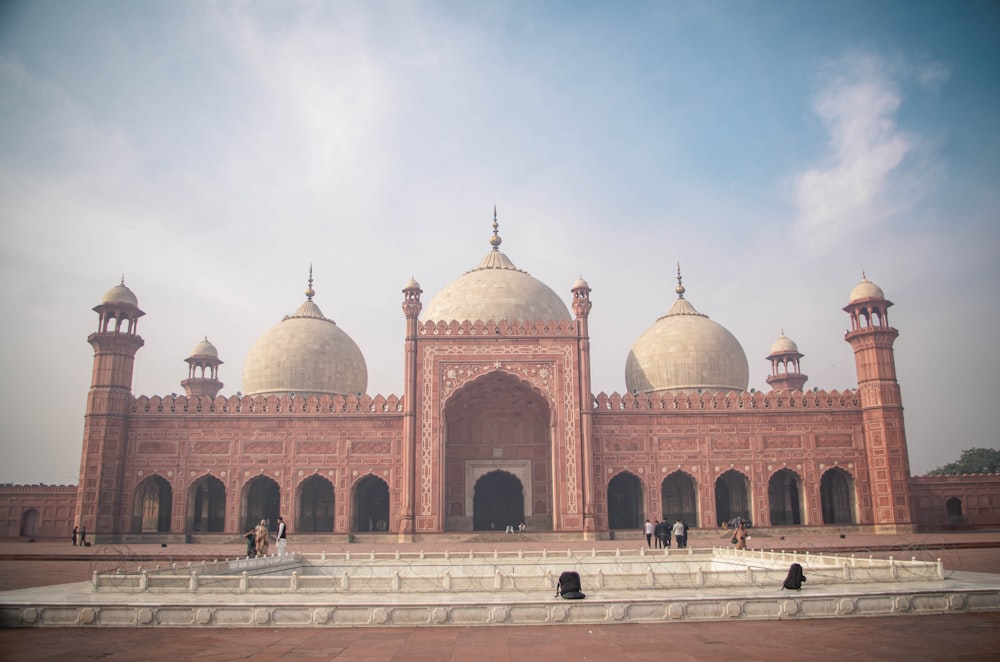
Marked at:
<point>973,461</point>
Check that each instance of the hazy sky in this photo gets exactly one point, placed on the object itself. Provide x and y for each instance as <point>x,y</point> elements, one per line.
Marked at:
<point>212,151</point>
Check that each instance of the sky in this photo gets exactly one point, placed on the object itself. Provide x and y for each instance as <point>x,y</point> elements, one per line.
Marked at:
<point>210,152</point>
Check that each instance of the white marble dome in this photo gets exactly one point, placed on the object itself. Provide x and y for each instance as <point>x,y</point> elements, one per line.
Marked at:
<point>686,351</point>
<point>120,294</point>
<point>206,349</point>
<point>784,345</point>
<point>866,290</point>
<point>496,290</point>
<point>305,354</point>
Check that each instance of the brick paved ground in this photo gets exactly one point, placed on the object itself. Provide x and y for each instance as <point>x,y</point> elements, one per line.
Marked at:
<point>935,637</point>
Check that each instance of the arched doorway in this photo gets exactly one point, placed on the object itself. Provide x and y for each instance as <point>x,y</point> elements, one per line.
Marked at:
<point>732,497</point>
<point>261,501</point>
<point>679,498</point>
<point>498,422</point>
<point>783,496</point>
<point>625,509</point>
<point>315,505</point>
<point>371,505</point>
<point>207,506</point>
<point>497,502</point>
<point>836,493</point>
<point>153,506</point>
<point>953,507</point>
<point>29,523</point>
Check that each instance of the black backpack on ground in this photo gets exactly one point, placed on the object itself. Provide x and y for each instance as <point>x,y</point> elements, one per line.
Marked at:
<point>794,579</point>
<point>568,586</point>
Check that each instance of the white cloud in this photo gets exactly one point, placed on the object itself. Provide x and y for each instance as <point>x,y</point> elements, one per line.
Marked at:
<point>853,189</point>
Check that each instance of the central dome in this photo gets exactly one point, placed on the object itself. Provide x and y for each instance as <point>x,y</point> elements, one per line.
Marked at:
<point>686,351</point>
<point>305,354</point>
<point>496,290</point>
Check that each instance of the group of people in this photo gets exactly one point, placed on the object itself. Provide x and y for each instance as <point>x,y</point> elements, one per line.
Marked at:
<point>258,541</point>
<point>660,531</point>
<point>81,535</point>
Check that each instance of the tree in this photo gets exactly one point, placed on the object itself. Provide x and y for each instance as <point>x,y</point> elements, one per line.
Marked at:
<point>973,461</point>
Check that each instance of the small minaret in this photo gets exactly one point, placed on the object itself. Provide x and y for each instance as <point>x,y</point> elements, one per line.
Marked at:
<point>99,496</point>
<point>881,407</point>
<point>411,310</point>
<point>203,371</point>
<point>784,358</point>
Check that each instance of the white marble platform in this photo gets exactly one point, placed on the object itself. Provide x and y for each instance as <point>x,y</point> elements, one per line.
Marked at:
<point>498,589</point>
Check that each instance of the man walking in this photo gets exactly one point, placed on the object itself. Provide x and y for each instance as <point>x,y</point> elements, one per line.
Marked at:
<point>282,536</point>
<point>648,530</point>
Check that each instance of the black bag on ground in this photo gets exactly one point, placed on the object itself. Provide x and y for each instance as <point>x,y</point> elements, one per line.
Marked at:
<point>794,579</point>
<point>568,586</point>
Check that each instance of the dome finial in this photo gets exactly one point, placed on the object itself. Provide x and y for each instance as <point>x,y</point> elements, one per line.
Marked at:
<point>123,279</point>
<point>310,293</point>
<point>495,239</point>
<point>680,285</point>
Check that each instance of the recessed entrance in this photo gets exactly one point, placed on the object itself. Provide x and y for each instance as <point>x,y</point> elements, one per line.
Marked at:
<point>497,502</point>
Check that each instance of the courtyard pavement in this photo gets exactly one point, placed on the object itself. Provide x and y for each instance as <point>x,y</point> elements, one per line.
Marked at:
<point>960,636</point>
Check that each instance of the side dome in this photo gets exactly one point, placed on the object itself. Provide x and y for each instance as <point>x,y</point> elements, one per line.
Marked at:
<point>205,349</point>
<point>866,290</point>
<point>496,290</point>
<point>784,345</point>
<point>305,354</point>
<point>686,351</point>
<point>120,294</point>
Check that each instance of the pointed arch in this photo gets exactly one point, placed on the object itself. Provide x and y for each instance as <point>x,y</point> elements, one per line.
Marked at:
<point>29,523</point>
<point>206,506</point>
<point>679,497</point>
<point>784,497</point>
<point>316,505</point>
<point>261,501</point>
<point>498,501</point>
<point>152,505</point>
<point>732,496</point>
<point>370,500</point>
<point>625,501</point>
<point>837,497</point>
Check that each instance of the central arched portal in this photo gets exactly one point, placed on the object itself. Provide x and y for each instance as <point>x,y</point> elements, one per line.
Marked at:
<point>498,456</point>
<point>497,502</point>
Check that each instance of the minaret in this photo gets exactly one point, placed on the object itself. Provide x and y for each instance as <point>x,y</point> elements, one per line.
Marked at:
<point>881,407</point>
<point>203,371</point>
<point>99,497</point>
<point>581,308</point>
<point>411,310</point>
<point>784,358</point>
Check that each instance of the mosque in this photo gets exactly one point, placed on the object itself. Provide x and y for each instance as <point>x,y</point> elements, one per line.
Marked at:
<point>498,425</point>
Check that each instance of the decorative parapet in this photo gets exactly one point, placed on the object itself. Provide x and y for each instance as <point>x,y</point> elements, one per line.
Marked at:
<point>955,479</point>
<point>721,401</point>
<point>269,404</point>
<point>40,488</point>
<point>493,328</point>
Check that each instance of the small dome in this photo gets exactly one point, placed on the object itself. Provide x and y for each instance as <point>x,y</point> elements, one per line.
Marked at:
<point>305,354</point>
<point>412,284</point>
<point>784,345</point>
<point>120,294</point>
<point>686,351</point>
<point>205,348</point>
<point>866,290</point>
<point>496,290</point>
<point>581,284</point>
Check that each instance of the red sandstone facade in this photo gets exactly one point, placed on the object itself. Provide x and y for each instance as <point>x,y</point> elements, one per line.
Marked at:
<point>499,426</point>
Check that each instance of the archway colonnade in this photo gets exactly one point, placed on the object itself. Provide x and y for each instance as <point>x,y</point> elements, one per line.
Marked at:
<point>259,498</point>
<point>731,499</point>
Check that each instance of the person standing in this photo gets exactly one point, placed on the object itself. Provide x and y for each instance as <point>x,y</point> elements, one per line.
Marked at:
<point>741,536</point>
<point>282,536</point>
<point>648,530</point>
<point>678,531</point>
<point>76,531</point>
<point>83,537</point>
<point>262,541</point>
<point>251,537</point>
<point>685,524</point>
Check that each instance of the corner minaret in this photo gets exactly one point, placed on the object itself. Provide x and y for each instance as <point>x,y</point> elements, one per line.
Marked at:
<point>115,343</point>
<point>784,358</point>
<point>203,371</point>
<point>882,411</point>
<point>411,311</point>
